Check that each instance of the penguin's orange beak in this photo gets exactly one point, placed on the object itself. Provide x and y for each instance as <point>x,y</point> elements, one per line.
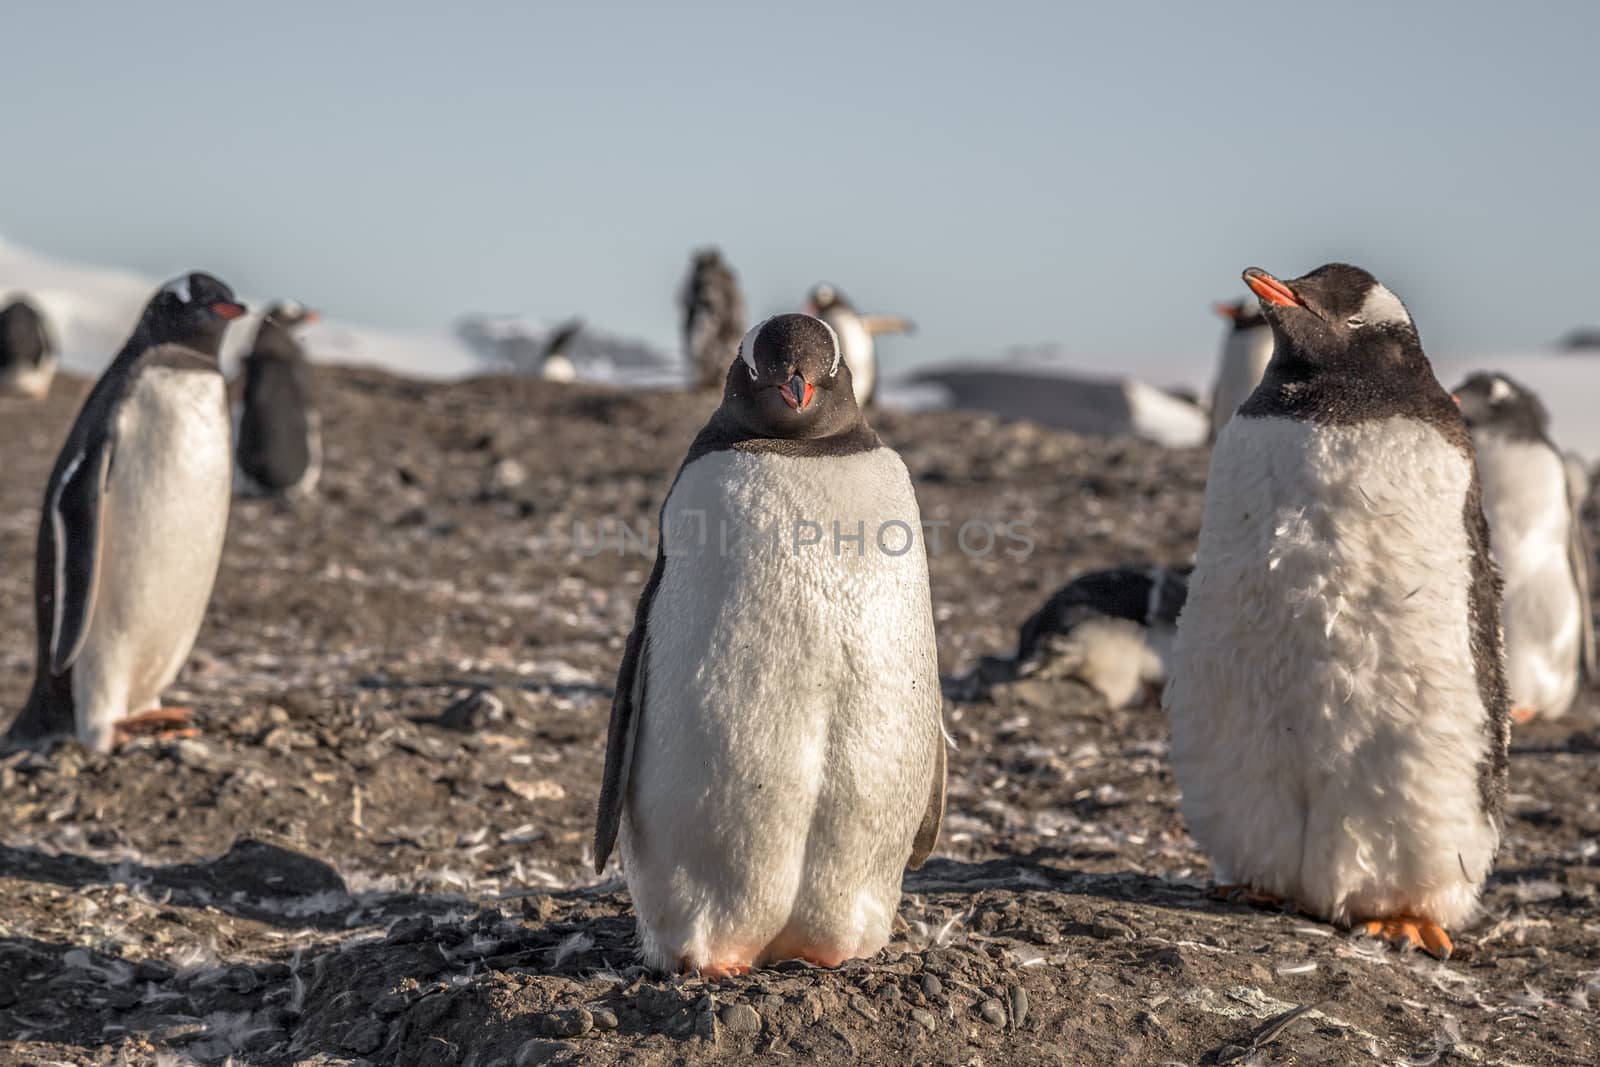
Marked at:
<point>312,316</point>
<point>811,308</point>
<point>228,310</point>
<point>1227,311</point>
<point>797,392</point>
<point>1270,289</point>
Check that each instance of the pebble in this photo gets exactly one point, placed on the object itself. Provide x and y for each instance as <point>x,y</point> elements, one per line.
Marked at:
<point>604,1018</point>
<point>536,1050</point>
<point>931,985</point>
<point>740,1019</point>
<point>573,1022</point>
<point>924,1019</point>
<point>154,971</point>
<point>992,1012</point>
<point>1019,1007</point>
<point>859,1005</point>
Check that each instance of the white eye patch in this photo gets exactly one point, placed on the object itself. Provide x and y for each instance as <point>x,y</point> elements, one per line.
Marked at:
<point>838,353</point>
<point>1499,390</point>
<point>1381,307</point>
<point>178,287</point>
<point>747,347</point>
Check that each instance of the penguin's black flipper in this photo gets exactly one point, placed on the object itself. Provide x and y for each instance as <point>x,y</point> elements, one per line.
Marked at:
<point>626,707</point>
<point>561,337</point>
<point>933,817</point>
<point>76,531</point>
<point>1579,553</point>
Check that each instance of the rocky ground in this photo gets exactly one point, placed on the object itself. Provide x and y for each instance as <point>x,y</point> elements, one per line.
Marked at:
<point>378,850</point>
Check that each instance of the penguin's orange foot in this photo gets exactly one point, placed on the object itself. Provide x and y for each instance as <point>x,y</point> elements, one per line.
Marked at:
<point>1522,715</point>
<point>716,970</point>
<point>1408,932</point>
<point>789,947</point>
<point>159,722</point>
<point>1244,894</point>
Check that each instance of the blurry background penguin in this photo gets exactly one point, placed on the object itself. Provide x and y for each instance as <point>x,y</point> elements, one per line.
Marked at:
<point>1246,351</point>
<point>554,363</point>
<point>1533,499</point>
<point>856,332</point>
<point>1112,630</point>
<point>27,356</point>
<point>278,450</point>
<point>713,317</point>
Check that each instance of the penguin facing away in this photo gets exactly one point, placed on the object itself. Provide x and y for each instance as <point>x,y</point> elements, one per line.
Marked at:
<point>713,316</point>
<point>776,754</point>
<point>279,449</point>
<point>27,357</point>
<point>132,527</point>
<point>1246,348</point>
<point>1536,529</point>
<point>1338,696</point>
<point>855,332</point>
<point>1112,629</point>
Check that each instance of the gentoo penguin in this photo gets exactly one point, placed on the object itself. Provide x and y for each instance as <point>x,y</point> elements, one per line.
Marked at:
<point>132,527</point>
<point>1111,629</point>
<point>713,316</point>
<point>856,332</point>
<point>27,358</point>
<point>776,756</point>
<point>1246,348</point>
<point>279,450</point>
<point>1338,695</point>
<point>554,363</point>
<point>1537,532</point>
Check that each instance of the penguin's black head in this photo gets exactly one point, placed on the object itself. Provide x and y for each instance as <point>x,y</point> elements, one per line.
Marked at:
<point>24,341</point>
<point>1336,316</point>
<point>1241,314</point>
<point>191,310</point>
<point>1495,402</point>
<point>790,381</point>
<point>291,314</point>
<point>822,297</point>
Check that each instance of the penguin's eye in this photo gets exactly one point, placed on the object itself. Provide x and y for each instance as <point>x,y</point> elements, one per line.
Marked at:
<point>752,371</point>
<point>1354,321</point>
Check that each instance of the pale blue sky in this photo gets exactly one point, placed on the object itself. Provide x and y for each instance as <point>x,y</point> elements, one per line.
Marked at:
<point>1094,174</point>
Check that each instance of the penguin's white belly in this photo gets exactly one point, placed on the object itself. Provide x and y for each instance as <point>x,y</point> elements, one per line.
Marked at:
<point>855,342</point>
<point>1328,731</point>
<point>786,748</point>
<point>163,521</point>
<point>1245,356</point>
<point>1525,500</point>
<point>33,381</point>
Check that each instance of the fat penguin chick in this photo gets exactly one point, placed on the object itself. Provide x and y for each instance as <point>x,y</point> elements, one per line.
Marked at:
<point>279,447</point>
<point>1535,527</point>
<point>856,332</point>
<point>132,526</point>
<point>1338,695</point>
<point>27,356</point>
<point>1246,349</point>
<point>776,756</point>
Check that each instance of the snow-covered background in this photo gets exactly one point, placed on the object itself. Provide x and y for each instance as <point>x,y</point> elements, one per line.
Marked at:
<point>92,308</point>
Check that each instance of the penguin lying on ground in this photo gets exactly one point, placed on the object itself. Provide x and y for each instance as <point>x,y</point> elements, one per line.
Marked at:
<point>855,332</point>
<point>1537,533</point>
<point>1338,692</point>
<point>132,526</point>
<point>279,450</point>
<point>27,358</point>
<point>1110,629</point>
<point>776,755</point>
<point>1246,348</point>
<point>713,316</point>
<point>554,363</point>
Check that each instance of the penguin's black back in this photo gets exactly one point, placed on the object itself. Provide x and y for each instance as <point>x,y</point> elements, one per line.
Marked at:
<point>274,429</point>
<point>23,340</point>
<point>1145,595</point>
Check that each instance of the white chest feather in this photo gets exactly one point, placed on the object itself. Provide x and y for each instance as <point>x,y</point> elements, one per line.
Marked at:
<point>855,341</point>
<point>791,710</point>
<point>1525,490</point>
<point>1244,359</point>
<point>163,521</point>
<point>1328,731</point>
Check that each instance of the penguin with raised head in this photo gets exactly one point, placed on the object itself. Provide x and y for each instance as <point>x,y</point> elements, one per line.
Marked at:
<point>27,356</point>
<point>713,316</point>
<point>1111,629</point>
<point>1246,348</point>
<point>856,332</point>
<point>776,754</point>
<point>1338,694</point>
<point>132,528</point>
<point>1535,526</point>
<point>279,449</point>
